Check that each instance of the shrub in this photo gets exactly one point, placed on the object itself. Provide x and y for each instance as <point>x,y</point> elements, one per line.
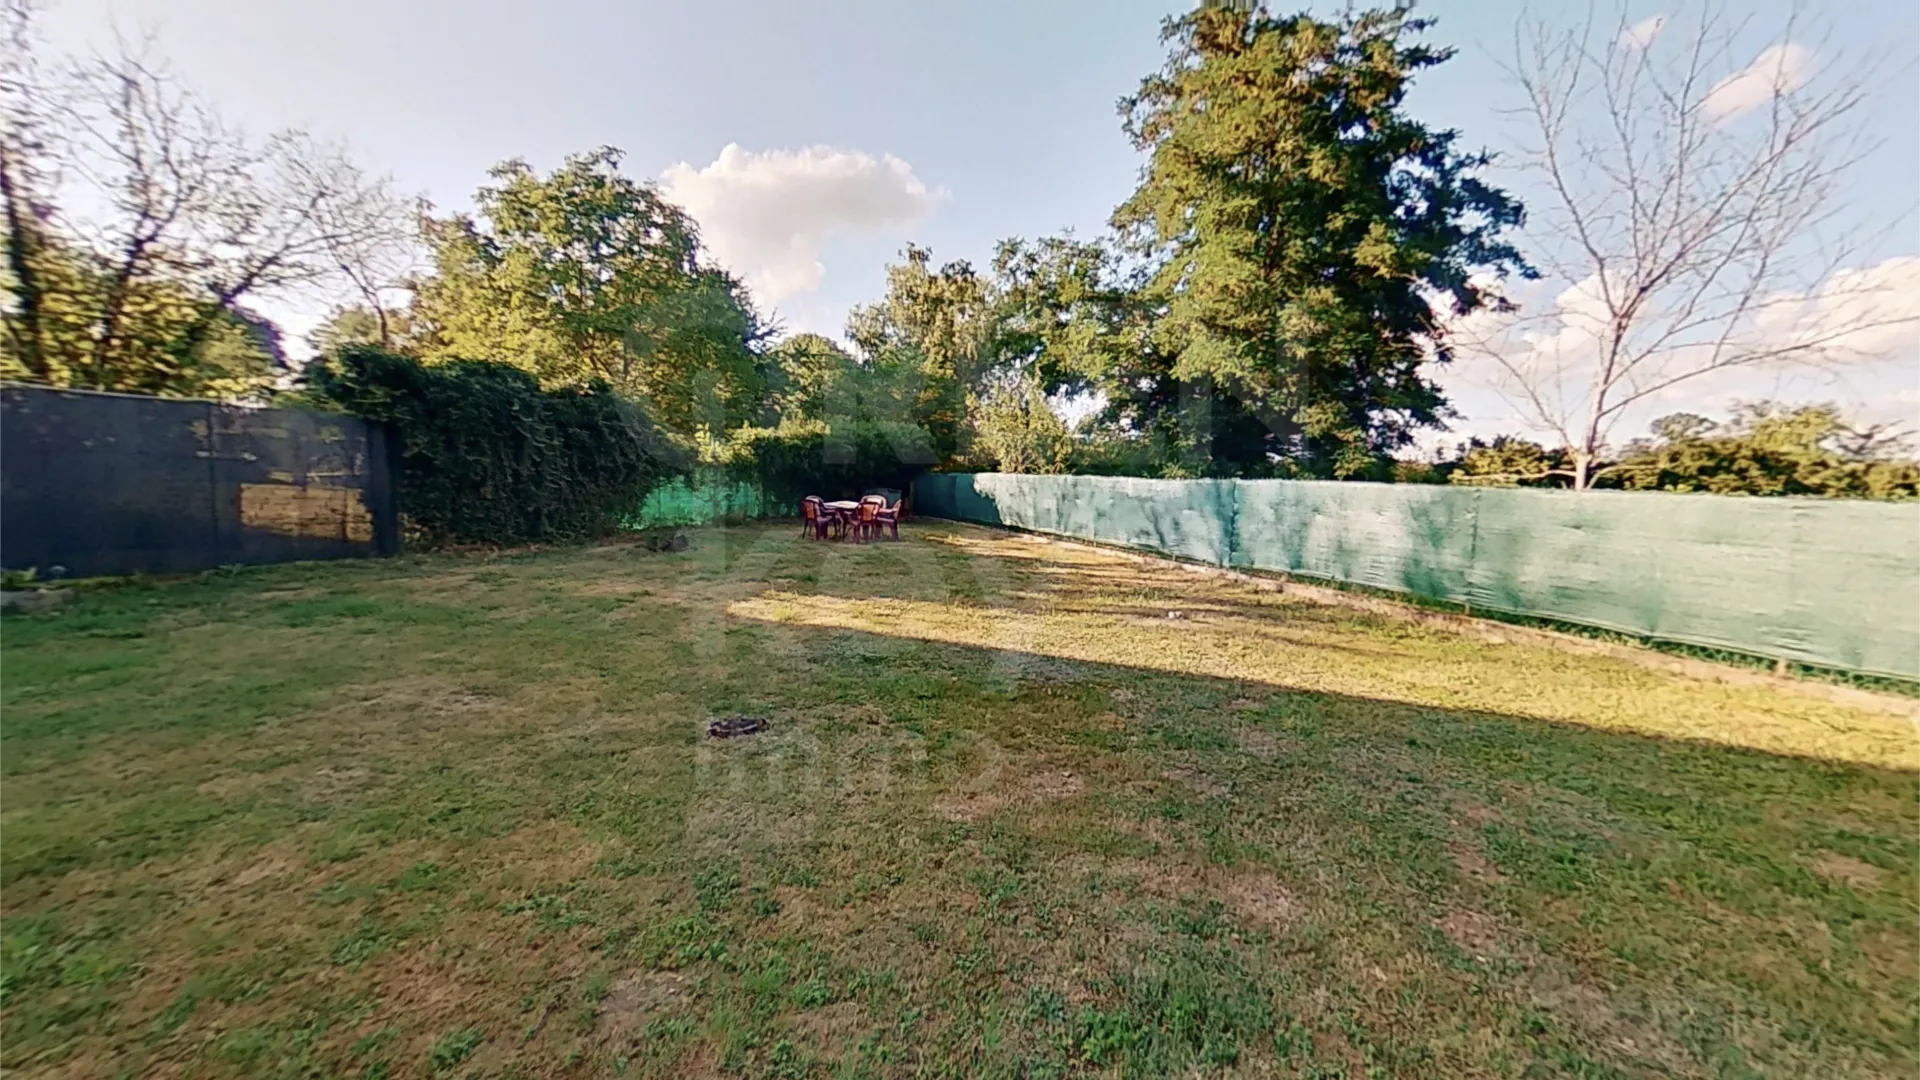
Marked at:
<point>487,456</point>
<point>840,460</point>
<point>1770,449</point>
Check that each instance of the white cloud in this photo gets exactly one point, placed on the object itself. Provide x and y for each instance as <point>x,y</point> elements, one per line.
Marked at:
<point>1641,34</point>
<point>1871,313</point>
<point>1854,338</point>
<point>768,215</point>
<point>1776,72</point>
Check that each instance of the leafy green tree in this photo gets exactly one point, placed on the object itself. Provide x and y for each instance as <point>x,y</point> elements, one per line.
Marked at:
<point>173,222</point>
<point>1770,449</point>
<point>587,273</point>
<point>928,340</point>
<point>168,340</point>
<point>1306,237</point>
<point>1510,461</point>
<point>358,324</point>
<point>807,374</point>
<point>1070,312</point>
<point>1063,310</point>
<point>1016,429</point>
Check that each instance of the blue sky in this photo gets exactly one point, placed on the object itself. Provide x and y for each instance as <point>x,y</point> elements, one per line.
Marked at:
<point>951,125</point>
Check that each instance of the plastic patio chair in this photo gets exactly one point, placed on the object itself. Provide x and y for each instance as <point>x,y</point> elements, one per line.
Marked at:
<point>813,517</point>
<point>888,516</point>
<point>869,520</point>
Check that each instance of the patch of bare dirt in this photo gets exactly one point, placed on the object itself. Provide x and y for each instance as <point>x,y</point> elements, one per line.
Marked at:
<point>637,999</point>
<point>726,819</point>
<point>417,698</point>
<point>832,1026</point>
<point>1472,864</point>
<point>231,785</point>
<point>1554,986</point>
<point>1591,1010</point>
<point>1047,785</point>
<point>969,805</point>
<point>268,867</point>
<point>1474,812</point>
<point>551,851</point>
<point>1259,899</point>
<point>613,589</point>
<point>1846,870</point>
<point>1475,933</point>
<point>1198,782</point>
<point>1155,829</point>
<point>438,586</point>
<point>329,779</point>
<point>1054,784</point>
<point>303,593</point>
<point>1331,1044</point>
<point>1262,744</point>
<point>865,713</point>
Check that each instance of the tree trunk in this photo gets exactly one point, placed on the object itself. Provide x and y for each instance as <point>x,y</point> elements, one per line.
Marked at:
<point>1589,447</point>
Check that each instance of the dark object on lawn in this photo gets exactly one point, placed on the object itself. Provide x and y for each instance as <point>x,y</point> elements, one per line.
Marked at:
<point>728,726</point>
<point>664,542</point>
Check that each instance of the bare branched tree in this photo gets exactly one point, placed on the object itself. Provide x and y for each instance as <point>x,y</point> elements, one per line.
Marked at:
<point>380,259</point>
<point>159,197</point>
<point>196,200</point>
<point>1690,217</point>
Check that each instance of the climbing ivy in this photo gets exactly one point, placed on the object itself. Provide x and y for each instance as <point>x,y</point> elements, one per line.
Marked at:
<point>488,456</point>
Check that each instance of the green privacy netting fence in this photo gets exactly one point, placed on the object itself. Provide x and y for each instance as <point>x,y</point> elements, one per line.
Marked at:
<point>1830,583</point>
<point>700,501</point>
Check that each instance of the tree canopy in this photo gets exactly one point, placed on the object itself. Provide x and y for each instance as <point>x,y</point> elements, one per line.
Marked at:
<point>1305,235</point>
<point>588,273</point>
<point>1770,449</point>
<point>140,227</point>
<point>1271,300</point>
<point>930,339</point>
<point>1764,448</point>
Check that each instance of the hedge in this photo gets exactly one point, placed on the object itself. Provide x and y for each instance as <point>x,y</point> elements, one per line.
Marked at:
<point>488,456</point>
<point>843,460</point>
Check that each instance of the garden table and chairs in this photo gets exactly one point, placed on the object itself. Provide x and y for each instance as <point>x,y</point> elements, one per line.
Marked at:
<point>849,519</point>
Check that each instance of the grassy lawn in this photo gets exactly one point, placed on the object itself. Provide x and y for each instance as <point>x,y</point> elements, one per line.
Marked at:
<point>1023,810</point>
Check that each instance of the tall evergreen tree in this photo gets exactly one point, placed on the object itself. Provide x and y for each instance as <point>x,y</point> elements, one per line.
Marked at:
<point>1307,238</point>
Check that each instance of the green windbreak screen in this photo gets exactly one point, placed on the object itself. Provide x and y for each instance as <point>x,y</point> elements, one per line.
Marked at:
<point>1189,519</point>
<point>704,500</point>
<point>1821,582</point>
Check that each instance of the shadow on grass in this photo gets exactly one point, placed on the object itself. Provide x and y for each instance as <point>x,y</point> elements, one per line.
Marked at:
<point>980,838</point>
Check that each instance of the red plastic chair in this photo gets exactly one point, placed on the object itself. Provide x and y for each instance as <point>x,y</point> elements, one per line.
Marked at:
<point>867,523</point>
<point>813,517</point>
<point>889,516</point>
